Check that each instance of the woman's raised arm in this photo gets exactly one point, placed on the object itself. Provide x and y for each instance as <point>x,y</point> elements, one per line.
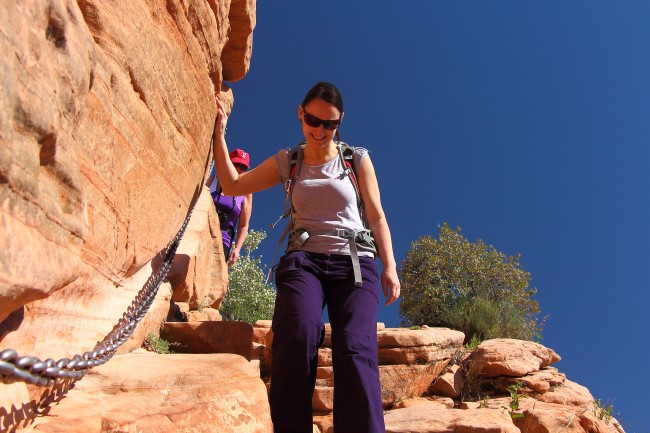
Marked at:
<point>261,177</point>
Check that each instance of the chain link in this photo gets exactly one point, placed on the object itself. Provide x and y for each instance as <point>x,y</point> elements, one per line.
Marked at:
<point>15,368</point>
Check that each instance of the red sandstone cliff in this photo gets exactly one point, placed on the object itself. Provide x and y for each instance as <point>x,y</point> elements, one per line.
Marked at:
<point>107,113</point>
<point>107,110</point>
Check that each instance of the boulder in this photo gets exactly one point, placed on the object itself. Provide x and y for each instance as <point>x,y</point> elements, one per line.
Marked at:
<point>509,357</point>
<point>209,337</point>
<point>323,399</point>
<point>204,315</point>
<point>164,393</point>
<point>448,384</point>
<point>415,355</point>
<point>431,401</point>
<point>567,393</point>
<point>260,330</point>
<point>431,419</point>
<point>399,382</point>
<point>324,423</point>
<point>236,55</point>
<point>550,417</point>
<point>425,336</point>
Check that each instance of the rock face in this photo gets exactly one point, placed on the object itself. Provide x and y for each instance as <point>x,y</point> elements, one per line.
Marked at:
<point>195,393</point>
<point>209,337</point>
<point>431,385</point>
<point>546,401</point>
<point>409,360</point>
<point>107,117</point>
<point>425,419</point>
<point>107,113</point>
<point>504,357</point>
<point>164,393</point>
<point>199,274</point>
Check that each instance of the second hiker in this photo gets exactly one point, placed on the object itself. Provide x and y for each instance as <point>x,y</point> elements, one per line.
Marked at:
<point>234,211</point>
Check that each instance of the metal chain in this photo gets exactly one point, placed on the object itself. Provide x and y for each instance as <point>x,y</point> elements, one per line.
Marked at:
<point>14,368</point>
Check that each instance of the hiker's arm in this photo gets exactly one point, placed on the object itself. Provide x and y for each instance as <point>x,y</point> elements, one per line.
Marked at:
<point>242,229</point>
<point>369,189</point>
<point>233,184</point>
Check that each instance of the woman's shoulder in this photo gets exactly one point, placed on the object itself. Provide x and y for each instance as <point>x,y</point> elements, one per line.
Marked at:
<point>283,157</point>
<point>358,150</point>
<point>360,153</point>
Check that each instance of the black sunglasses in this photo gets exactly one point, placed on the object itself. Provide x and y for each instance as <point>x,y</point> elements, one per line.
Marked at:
<point>315,122</point>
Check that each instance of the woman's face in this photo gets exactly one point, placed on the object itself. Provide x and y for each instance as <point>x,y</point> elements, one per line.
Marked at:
<point>318,136</point>
<point>240,168</point>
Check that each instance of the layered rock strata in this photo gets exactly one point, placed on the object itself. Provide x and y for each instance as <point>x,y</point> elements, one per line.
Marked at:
<point>107,116</point>
<point>148,392</point>
<point>107,113</point>
<point>431,384</point>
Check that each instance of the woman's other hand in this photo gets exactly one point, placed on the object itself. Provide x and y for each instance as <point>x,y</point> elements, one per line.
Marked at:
<point>390,284</point>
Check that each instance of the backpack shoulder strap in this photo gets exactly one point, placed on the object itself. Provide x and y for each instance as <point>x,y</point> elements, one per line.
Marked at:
<point>295,162</point>
<point>346,153</point>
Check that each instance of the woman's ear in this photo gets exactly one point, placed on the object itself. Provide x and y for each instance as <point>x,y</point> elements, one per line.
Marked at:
<point>300,112</point>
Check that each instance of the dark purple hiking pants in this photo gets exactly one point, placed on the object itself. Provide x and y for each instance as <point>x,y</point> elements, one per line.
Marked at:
<point>306,282</point>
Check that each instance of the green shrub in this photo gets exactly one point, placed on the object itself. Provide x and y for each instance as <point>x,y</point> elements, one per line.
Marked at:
<point>473,343</point>
<point>515,397</point>
<point>157,344</point>
<point>467,286</point>
<point>474,384</point>
<point>249,298</point>
<point>603,412</point>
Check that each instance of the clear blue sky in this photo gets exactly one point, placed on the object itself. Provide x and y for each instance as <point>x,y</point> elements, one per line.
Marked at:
<point>527,124</point>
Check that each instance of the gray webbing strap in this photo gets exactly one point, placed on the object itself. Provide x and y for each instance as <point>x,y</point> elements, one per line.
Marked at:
<point>356,267</point>
<point>348,234</point>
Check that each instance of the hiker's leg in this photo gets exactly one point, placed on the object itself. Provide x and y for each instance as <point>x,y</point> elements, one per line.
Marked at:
<point>353,316</point>
<point>297,334</point>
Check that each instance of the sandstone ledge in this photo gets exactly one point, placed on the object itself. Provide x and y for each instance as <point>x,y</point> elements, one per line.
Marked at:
<point>148,392</point>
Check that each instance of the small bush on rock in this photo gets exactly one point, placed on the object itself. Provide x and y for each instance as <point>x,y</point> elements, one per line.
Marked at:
<point>249,298</point>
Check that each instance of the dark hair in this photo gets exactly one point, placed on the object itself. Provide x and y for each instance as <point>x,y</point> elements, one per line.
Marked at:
<point>327,92</point>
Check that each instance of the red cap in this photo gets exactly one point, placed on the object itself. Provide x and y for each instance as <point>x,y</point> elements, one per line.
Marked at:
<point>238,156</point>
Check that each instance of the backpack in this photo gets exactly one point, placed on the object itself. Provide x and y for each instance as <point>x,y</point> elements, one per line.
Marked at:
<point>359,239</point>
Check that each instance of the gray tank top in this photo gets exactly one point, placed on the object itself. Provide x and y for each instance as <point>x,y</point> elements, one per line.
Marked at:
<point>323,200</point>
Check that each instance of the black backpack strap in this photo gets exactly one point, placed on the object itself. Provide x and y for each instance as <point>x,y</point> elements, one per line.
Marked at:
<point>295,162</point>
<point>346,153</point>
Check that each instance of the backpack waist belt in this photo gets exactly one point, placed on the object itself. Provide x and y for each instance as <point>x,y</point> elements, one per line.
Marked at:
<point>359,240</point>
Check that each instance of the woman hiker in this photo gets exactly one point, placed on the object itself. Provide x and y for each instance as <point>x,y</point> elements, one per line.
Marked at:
<point>329,261</point>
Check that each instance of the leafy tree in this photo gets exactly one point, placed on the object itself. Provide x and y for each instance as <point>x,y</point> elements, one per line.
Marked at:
<point>249,298</point>
<point>467,286</point>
